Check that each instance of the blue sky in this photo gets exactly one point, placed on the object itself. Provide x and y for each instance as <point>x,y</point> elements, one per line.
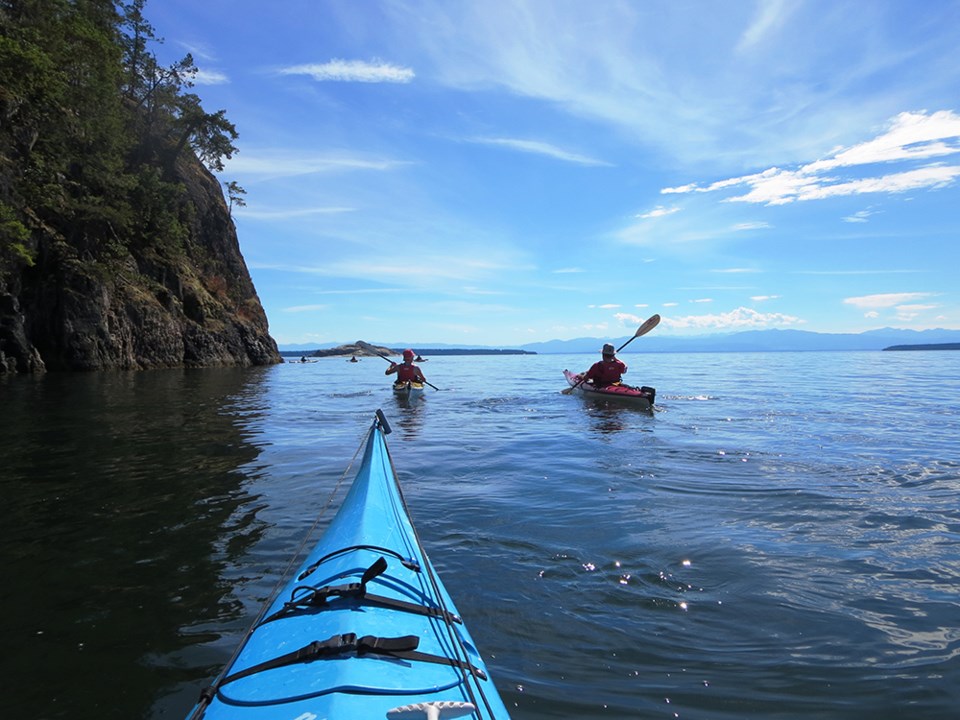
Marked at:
<point>496,172</point>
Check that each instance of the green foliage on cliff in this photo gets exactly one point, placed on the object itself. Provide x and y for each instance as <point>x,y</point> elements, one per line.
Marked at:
<point>91,129</point>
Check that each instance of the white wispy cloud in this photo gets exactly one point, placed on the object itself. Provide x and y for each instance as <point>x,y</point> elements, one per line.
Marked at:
<point>610,63</point>
<point>885,300</point>
<point>392,270</point>
<point>747,226</point>
<point>741,317</point>
<point>563,271</point>
<point>906,313</point>
<point>858,217</point>
<point>786,187</point>
<point>628,318</point>
<point>910,137</point>
<point>856,272</point>
<point>198,49</point>
<point>735,271</point>
<point>680,189</point>
<point>287,164</point>
<point>359,291</point>
<point>762,298</point>
<point>337,70</point>
<point>770,16</point>
<point>659,211</point>
<point>290,214</point>
<point>469,290</point>
<point>430,269</point>
<point>537,147</point>
<point>783,93</point>
<point>210,77</point>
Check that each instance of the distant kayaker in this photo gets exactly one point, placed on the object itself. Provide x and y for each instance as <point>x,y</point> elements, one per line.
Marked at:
<point>407,371</point>
<point>607,371</point>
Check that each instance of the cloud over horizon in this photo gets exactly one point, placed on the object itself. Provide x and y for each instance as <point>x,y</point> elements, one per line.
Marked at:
<point>910,136</point>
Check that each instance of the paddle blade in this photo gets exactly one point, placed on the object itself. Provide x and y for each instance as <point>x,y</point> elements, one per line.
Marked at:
<point>647,326</point>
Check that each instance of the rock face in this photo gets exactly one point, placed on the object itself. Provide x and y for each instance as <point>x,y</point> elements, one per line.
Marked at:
<point>157,304</point>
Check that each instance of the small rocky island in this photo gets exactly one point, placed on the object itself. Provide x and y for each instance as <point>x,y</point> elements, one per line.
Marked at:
<point>357,349</point>
<point>361,348</point>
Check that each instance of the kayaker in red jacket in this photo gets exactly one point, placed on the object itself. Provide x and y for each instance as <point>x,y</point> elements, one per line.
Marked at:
<point>406,371</point>
<point>607,371</point>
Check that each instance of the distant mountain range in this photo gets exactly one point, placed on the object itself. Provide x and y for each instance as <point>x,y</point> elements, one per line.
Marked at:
<point>749,341</point>
<point>758,341</point>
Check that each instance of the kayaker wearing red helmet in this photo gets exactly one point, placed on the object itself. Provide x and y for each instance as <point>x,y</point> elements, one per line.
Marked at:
<point>406,372</point>
<point>607,371</point>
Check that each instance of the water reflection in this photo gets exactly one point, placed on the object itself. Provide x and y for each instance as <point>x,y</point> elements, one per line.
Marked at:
<point>125,500</point>
<point>608,417</point>
<point>409,416</point>
<point>833,530</point>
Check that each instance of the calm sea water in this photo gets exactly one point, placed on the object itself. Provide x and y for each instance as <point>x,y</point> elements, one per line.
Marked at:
<point>781,539</point>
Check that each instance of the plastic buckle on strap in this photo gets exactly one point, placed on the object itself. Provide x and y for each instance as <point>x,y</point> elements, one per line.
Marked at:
<point>336,645</point>
<point>344,643</point>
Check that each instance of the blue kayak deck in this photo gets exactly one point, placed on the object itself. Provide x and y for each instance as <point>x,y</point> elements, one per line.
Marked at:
<point>364,626</point>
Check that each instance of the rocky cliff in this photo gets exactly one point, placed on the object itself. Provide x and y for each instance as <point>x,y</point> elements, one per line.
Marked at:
<point>165,302</point>
<point>117,249</point>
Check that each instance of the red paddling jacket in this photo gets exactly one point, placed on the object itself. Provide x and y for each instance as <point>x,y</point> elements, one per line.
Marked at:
<point>606,372</point>
<point>406,372</point>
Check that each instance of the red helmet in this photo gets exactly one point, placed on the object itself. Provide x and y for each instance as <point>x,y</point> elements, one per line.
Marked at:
<point>408,354</point>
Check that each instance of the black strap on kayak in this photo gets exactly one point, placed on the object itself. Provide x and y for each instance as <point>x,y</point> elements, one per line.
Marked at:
<point>310,598</point>
<point>414,654</point>
<point>403,648</point>
<point>409,563</point>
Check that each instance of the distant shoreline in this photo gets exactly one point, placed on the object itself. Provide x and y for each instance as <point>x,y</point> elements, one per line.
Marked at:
<point>340,352</point>
<point>472,351</point>
<point>936,346</point>
<point>778,340</point>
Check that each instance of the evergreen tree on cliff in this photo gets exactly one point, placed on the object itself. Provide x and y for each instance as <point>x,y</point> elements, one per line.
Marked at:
<point>117,249</point>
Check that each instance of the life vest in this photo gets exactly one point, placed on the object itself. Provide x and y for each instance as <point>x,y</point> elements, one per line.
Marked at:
<point>606,372</point>
<point>407,372</point>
